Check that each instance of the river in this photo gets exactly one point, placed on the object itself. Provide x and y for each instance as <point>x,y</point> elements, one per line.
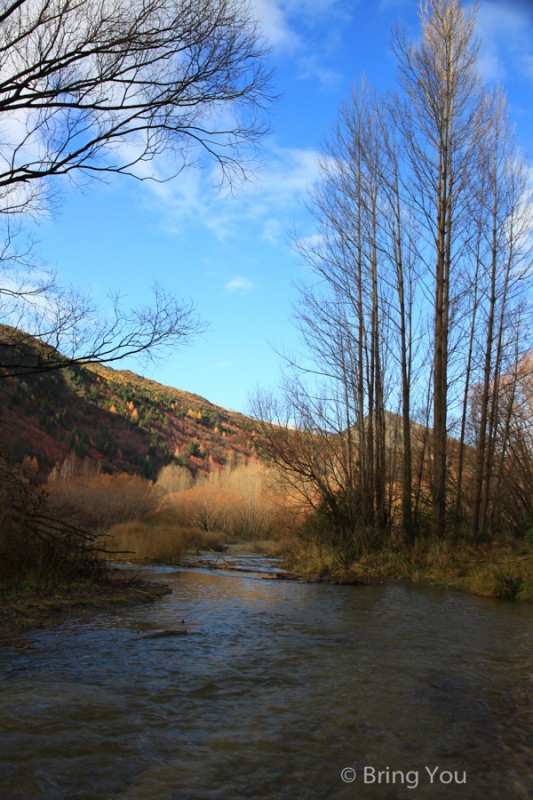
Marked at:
<point>278,690</point>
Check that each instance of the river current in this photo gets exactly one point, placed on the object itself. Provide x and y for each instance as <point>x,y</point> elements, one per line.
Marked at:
<point>278,690</point>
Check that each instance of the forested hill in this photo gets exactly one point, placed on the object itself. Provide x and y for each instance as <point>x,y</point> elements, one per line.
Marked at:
<point>69,418</point>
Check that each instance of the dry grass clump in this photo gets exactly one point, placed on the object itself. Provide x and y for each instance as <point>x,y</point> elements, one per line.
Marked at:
<point>504,574</point>
<point>500,571</point>
<point>156,541</point>
<point>504,571</point>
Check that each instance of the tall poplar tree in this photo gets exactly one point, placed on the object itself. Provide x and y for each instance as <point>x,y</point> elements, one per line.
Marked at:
<point>442,124</point>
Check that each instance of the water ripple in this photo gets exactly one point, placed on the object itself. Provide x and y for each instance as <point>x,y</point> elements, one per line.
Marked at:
<point>275,688</point>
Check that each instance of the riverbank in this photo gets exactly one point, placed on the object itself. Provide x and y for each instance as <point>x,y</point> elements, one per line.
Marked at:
<point>499,571</point>
<point>502,572</point>
<point>23,607</point>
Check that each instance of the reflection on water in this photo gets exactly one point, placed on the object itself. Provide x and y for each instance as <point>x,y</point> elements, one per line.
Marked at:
<point>276,688</point>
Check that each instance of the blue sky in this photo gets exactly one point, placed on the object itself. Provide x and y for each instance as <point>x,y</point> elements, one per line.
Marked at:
<point>232,253</point>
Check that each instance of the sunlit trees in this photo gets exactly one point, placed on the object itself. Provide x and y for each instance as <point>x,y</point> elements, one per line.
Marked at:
<point>417,303</point>
<point>89,88</point>
<point>234,500</point>
<point>442,125</point>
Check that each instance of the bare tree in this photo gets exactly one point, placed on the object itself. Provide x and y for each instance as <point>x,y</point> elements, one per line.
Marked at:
<point>443,125</point>
<point>501,286</point>
<point>420,267</point>
<point>512,506</point>
<point>336,453</point>
<point>304,437</point>
<point>70,330</point>
<point>400,247</point>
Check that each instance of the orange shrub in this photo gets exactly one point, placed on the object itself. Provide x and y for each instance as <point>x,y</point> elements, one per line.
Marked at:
<point>105,500</point>
<point>238,500</point>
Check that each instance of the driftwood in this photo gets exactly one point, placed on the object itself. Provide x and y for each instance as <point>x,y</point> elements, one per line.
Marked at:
<point>219,563</point>
<point>164,634</point>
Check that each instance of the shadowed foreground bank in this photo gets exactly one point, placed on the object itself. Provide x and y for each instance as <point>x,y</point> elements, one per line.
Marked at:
<point>26,607</point>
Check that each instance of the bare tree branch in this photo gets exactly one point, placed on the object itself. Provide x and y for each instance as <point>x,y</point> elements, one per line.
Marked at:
<point>97,87</point>
<point>93,87</point>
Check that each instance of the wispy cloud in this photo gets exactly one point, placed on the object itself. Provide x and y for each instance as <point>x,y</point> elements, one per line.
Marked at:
<point>307,30</point>
<point>268,204</point>
<point>312,69</point>
<point>285,22</point>
<point>276,25</point>
<point>239,285</point>
<point>506,31</point>
<point>273,231</point>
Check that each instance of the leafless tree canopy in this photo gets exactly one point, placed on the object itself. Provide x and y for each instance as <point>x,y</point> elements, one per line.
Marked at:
<point>74,331</point>
<point>90,87</point>
<point>96,86</point>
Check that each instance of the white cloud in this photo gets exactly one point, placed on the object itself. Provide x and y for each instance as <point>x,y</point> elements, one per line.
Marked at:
<point>309,30</point>
<point>239,285</point>
<point>268,204</point>
<point>311,243</point>
<point>506,31</point>
<point>275,24</point>
<point>272,231</point>
<point>311,69</point>
<point>283,21</point>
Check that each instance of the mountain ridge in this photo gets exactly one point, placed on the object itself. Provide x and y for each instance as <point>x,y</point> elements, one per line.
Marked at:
<point>97,417</point>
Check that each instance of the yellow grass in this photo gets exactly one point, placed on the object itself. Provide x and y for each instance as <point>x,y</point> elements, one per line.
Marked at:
<point>500,571</point>
<point>156,541</point>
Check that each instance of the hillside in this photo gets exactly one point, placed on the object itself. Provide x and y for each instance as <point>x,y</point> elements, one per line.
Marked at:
<point>82,416</point>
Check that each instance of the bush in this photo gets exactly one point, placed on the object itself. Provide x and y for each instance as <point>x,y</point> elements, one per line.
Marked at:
<point>36,541</point>
<point>504,582</point>
<point>174,478</point>
<point>100,501</point>
<point>235,500</point>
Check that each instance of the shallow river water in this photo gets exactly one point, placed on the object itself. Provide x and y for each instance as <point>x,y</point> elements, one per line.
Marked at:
<point>278,690</point>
